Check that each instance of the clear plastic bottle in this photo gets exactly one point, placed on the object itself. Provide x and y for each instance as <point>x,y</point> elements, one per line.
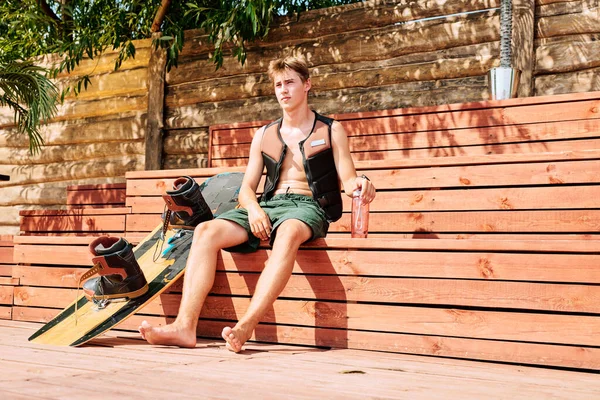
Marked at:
<point>360,217</point>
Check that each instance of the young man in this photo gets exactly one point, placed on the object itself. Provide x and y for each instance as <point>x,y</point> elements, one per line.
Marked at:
<point>305,155</point>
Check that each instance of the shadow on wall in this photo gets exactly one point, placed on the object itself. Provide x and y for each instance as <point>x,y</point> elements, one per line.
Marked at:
<point>97,150</point>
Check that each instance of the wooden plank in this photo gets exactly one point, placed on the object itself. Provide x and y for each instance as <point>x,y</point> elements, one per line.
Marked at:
<point>239,158</point>
<point>576,81</point>
<point>392,164</point>
<point>558,172</point>
<point>579,53</point>
<point>48,239</point>
<point>463,106</point>
<point>74,213</point>
<point>389,243</point>
<point>573,268</point>
<point>441,346</point>
<point>118,165</point>
<point>452,265</point>
<point>6,270</point>
<point>5,312</point>
<point>50,276</point>
<point>560,25</point>
<point>133,176</point>
<point>396,133</point>
<point>514,352</point>
<point>552,197</point>
<point>6,295</point>
<point>83,223</point>
<point>496,294</point>
<point>566,221</point>
<point>6,255</point>
<point>186,141</point>
<point>56,255</point>
<point>74,152</point>
<point>522,37</point>
<point>450,293</point>
<point>9,281</point>
<point>100,196</point>
<point>544,328</point>
<point>122,127</point>
<point>156,95</point>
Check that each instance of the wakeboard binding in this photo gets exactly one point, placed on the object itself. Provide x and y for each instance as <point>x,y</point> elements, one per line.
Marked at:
<point>185,204</point>
<point>120,275</point>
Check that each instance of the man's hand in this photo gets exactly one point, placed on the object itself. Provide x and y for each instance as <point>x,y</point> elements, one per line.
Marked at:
<point>367,190</point>
<point>260,224</point>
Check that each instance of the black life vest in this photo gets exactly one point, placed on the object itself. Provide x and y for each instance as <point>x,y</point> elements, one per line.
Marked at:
<point>317,157</point>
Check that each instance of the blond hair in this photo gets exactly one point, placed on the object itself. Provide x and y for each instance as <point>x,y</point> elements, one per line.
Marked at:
<point>295,63</point>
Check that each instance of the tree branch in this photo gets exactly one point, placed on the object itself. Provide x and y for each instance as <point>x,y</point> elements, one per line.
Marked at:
<point>160,15</point>
<point>47,10</point>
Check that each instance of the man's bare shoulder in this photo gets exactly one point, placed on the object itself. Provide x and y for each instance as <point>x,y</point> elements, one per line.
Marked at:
<point>259,133</point>
<point>337,130</point>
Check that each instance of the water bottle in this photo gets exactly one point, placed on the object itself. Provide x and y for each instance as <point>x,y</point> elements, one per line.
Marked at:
<point>360,217</point>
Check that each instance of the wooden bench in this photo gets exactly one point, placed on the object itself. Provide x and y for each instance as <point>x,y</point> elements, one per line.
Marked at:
<point>86,214</point>
<point>483,240</point>
<point>96,196</point>
<point>7,282</point>
<point>44,270</point>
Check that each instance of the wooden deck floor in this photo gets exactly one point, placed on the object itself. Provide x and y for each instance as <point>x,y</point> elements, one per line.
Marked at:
<point>120,366</point>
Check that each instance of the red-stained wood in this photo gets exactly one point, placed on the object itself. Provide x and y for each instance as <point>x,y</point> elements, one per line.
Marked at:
<point>73,223</point>
<point>459,221</point>
<point>388,133</point>
<point>96,196</point>
<point>9,281</point>
<point>368,157</point>
<point>442,292</point>
<point>6,295</point>
<point>450,265</point>
<point>517,198</point>
<point>467,176</point>
<point>576,245</point>
<point>6,270</point>
<point>6,255</point>
<point>53,255</point>
<point>480,324</point>
<point>5,312</point>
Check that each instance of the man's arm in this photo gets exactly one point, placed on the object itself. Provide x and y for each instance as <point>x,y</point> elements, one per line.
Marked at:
<point>258,219</point>
<point>345,165</point>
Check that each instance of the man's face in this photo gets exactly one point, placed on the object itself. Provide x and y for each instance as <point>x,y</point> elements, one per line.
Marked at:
<point>289,89</point>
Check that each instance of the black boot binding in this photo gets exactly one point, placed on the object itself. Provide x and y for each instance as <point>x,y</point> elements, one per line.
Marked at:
<point>186,203</point>
<point>120,274</point>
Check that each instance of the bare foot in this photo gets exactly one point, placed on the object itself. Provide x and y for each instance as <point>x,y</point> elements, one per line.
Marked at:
<point>235,338</point>
<point>168,335</point>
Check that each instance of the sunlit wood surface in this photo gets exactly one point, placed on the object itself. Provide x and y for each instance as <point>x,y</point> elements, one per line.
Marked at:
<point>120,366</point>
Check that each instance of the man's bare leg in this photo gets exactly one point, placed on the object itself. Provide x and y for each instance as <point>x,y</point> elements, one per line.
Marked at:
<point>278,269</point>
<point>209,238</point>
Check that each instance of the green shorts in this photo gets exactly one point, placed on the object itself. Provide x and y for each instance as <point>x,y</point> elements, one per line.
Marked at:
<point>279,208</point>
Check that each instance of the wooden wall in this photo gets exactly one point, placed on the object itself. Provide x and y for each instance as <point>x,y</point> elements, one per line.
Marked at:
<point>364,57</point>
<point>94,139</point>
<point>567,46</point>
<point>367,56</point>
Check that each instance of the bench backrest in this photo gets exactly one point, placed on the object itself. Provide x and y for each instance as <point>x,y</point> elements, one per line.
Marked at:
<point>517,126</point>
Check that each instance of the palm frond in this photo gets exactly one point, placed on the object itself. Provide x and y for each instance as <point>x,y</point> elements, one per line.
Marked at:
<point>26,89</point>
